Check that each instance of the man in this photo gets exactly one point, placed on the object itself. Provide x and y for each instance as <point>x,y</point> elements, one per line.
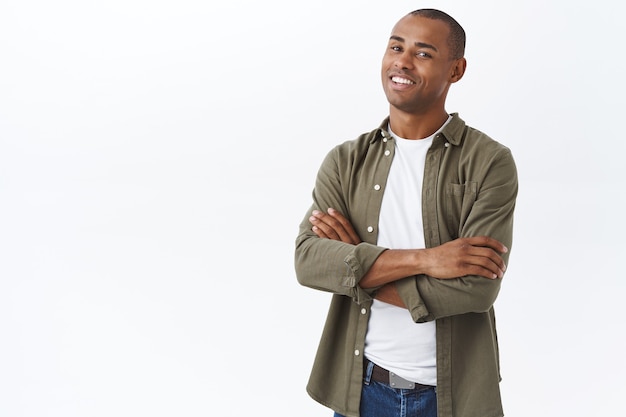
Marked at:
<point>409,229</point>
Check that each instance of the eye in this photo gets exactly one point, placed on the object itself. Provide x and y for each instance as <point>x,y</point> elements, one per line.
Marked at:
<point>396,48</point>
<point>422,54</point>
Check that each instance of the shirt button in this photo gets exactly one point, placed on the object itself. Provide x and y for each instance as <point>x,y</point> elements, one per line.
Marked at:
<point>447,144</point>
<point>387,152</point>
<point>370,229</point>
<point>363,311</point>
<point>357,352</point>
<point>384,139</point>
<point>377,187</point>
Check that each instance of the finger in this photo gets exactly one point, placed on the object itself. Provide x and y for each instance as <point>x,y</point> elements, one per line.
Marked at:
<point>482,272</point>
<point>333,226</point>
<point>319,232</point>
<point>489,242</point>
<point>495,270</point>
<point>323,228</point>
<point>346,226</point>
<point>488,260</point>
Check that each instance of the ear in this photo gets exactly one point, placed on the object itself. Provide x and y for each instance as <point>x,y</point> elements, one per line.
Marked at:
<point>457,70</point>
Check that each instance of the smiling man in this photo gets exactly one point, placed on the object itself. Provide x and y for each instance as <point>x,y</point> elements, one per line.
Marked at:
<point>410,229</point>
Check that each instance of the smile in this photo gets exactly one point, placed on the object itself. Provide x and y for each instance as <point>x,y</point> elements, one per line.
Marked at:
<point>400,80</point>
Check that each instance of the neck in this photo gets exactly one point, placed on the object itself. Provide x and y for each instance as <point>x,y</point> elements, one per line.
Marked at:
<point>416,126</point>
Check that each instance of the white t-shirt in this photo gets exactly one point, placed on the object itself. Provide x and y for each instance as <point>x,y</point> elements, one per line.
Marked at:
<point>394,341</point>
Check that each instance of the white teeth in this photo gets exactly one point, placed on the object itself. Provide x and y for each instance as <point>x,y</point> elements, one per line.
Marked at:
<point>401,80</point>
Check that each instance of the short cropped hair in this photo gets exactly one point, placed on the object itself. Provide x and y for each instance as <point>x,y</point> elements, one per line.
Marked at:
<point>456,39</point>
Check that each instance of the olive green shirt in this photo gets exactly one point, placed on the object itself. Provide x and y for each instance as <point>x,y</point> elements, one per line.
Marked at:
<point>469,189</point>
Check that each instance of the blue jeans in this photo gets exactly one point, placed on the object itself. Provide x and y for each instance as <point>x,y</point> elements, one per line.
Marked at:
<point>380,400</point>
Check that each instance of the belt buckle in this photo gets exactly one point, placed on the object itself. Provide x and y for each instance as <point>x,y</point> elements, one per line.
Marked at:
<point>397,382</point>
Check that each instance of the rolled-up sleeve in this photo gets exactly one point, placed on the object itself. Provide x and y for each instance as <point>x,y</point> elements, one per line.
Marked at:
<point>333,266</point>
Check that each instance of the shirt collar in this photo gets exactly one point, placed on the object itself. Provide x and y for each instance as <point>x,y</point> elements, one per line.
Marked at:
<point>452,132</point>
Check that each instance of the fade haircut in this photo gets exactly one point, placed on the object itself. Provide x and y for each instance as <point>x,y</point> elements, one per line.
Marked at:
<point>456,38</point>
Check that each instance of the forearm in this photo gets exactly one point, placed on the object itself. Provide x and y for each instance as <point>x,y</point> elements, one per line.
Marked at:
<point>389,267</point>
<point>392,265</point>
<point>479,255</point>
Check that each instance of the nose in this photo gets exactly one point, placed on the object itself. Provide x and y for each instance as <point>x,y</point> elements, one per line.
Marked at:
<point>403,60</point>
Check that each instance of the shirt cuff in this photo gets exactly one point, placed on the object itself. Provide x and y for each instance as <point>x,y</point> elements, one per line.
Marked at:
<point>358,262</point>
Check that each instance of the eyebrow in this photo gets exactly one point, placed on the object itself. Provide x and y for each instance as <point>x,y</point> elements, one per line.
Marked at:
<point>418,44</point>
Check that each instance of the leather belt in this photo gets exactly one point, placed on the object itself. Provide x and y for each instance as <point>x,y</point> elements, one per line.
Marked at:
<point>382,375</point>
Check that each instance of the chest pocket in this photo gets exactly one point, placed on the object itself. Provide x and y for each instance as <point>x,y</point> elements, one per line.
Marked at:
<point>460,199</point>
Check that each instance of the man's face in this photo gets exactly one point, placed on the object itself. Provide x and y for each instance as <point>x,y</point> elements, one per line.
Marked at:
<point>417,65</point>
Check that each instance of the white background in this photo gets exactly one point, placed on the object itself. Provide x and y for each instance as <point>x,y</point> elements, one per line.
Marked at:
<point>156,158</point>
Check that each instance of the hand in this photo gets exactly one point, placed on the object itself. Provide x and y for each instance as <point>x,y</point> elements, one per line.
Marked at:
<point>466,256</point>
<point>333,225</point>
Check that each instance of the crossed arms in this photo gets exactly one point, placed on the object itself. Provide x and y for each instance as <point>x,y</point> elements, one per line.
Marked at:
<point>479,256</point>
